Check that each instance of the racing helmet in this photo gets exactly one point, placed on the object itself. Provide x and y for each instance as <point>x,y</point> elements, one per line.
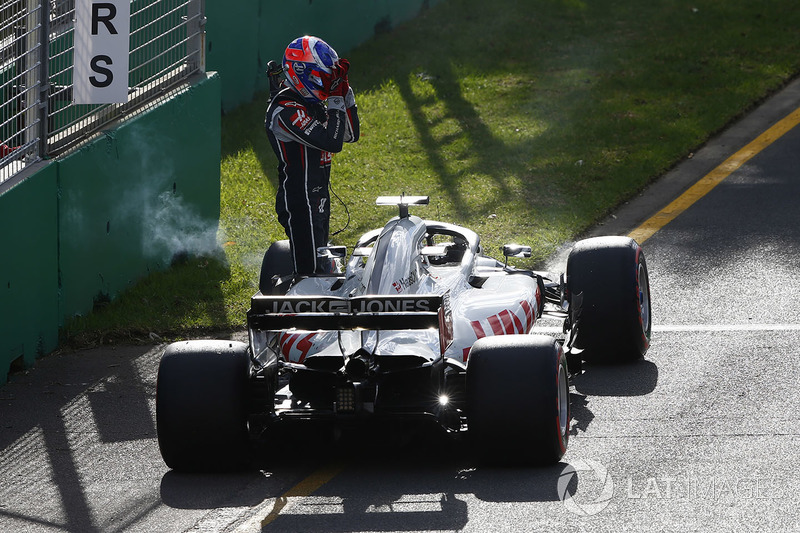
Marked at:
<point>308,63</point>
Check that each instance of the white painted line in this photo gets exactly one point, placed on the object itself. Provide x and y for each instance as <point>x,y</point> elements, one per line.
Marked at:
<point>698,328</point>
<point>727,327</point>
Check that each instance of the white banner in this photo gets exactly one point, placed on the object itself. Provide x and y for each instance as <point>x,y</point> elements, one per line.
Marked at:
<point>102,40</point>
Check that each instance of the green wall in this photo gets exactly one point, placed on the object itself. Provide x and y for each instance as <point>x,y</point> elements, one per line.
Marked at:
<point>243,36</point>
<point>89,225</point>
<point>135,197</point>
<point>29,270</point>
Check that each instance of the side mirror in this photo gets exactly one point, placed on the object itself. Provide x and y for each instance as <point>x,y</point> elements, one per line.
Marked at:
<point>516,250</point>
<point>332,251</point>
<point>362,251</point>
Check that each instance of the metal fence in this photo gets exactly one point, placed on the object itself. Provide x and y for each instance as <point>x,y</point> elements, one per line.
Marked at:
<point>38,118</point>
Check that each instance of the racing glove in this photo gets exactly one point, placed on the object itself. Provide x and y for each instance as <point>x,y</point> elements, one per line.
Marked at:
<point>335,96</point>
<point>347,91</point>
<point>341,95</point>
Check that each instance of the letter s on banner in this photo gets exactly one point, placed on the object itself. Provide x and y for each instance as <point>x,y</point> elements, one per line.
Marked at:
<point>102,43</point>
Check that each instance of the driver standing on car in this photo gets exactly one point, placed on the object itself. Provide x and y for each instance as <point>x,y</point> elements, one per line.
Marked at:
<point>306,121</point>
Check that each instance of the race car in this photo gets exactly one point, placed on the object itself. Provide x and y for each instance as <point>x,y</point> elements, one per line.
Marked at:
<point>419,323</point>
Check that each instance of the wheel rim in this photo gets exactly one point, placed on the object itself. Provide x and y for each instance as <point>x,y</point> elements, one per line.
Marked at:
<point>644,298</point>
<point>563,402</point>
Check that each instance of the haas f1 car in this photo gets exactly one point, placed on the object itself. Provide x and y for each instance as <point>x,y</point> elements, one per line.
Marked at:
<point>418,323</point>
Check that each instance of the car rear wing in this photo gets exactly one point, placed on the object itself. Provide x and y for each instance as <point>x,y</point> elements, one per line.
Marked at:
<point>321,313</point>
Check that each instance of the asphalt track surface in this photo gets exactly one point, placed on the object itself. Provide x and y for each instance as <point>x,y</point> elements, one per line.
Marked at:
<point>701,435</point>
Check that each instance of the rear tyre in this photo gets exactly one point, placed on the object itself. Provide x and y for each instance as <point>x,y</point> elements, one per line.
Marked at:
<point>277,261</point>
<point>609,295</point>
<point>202,405</point>
<point>518,399</point>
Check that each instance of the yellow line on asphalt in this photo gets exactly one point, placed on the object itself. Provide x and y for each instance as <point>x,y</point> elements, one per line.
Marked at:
<point>305,488</point>
<point>714,178</point>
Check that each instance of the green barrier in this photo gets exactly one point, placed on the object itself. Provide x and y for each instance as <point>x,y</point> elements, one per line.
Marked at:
<point>28,271</point>
<point>90,225</point>
<point>134,198</point>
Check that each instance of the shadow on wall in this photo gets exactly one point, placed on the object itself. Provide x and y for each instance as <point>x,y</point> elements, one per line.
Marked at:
<point>242,37</point>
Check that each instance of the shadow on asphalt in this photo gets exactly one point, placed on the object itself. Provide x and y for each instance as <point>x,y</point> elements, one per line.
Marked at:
<point>638,378</point>
<point>384,465</point>
<point>632,379</point>
<point>105,397</point>
<point>58,417</point>
<point>412,478</point>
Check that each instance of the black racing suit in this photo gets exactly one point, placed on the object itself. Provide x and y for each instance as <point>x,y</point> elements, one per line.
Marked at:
<point>303,137</point>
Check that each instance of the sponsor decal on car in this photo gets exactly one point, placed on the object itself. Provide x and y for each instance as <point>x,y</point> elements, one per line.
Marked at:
<point>295,346</point>
<point>403,284</point>
<point>388,304</point>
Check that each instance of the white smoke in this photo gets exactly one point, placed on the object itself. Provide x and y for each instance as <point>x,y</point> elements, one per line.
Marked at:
<point>172,228</point>
<point>557,262</point>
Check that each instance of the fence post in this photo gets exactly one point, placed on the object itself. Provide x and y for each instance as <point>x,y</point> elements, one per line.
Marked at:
<point>44,79</point>
<point>31,74</point>
<point>196,35</point>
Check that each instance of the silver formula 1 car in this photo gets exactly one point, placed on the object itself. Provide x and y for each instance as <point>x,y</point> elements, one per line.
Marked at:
<point>418,324</point>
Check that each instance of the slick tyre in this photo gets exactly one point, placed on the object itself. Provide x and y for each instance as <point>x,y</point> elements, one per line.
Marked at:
<point>277,261</point>
<point>518,399</point>
<point>609,294</point>
<point>202,404</point>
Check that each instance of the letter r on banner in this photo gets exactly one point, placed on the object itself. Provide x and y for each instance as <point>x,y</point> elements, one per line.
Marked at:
<point>102,42</point>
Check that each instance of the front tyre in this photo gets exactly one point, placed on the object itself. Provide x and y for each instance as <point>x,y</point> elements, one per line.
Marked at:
<point>202,406</point>
<point>518,399</point>
<point>609,294</point>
